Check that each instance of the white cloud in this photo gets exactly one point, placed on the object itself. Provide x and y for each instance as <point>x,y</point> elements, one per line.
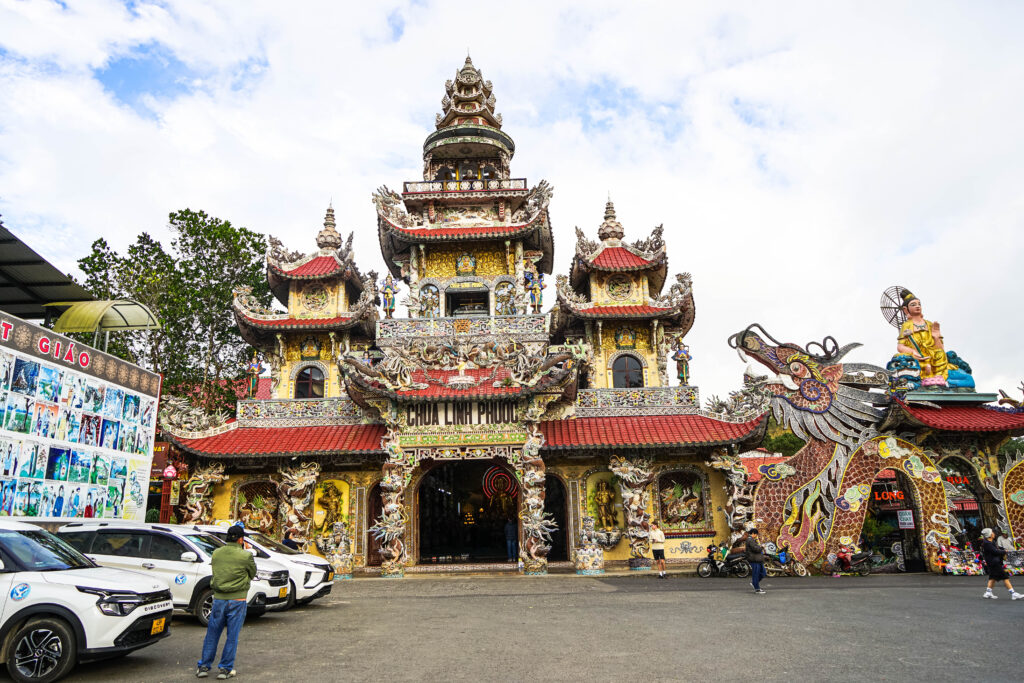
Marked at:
<point>802,159</point>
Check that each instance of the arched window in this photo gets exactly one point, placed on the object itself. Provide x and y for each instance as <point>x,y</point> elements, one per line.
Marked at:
<point>444,173</point>
<point>309,383</point>
<point>627,373</point>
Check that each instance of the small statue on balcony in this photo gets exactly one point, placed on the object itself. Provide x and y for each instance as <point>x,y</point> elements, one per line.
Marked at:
<point>389,290</point>
<point>534,283</point>
<point>681,355</point>
<point>253,370</point>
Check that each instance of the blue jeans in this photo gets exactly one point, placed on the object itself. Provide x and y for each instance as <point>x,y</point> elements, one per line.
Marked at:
<point>510,548</point>
<point>757,573</point>
<point>226,614</point>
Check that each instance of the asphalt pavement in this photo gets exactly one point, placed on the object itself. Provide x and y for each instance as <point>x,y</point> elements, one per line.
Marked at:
<point>633,627</point>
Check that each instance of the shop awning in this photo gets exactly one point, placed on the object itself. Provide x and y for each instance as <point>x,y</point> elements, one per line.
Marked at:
<point>116,315</point>
<point>28,281</point>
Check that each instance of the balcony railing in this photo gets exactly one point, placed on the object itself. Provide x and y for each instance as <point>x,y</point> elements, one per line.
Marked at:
<point>424,186</point>
<point>644,401</point>
<point>522,327</point>
<point>298,412</point>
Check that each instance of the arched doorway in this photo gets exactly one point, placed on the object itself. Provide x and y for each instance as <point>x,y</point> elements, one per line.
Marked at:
<point>967,503</point>
<point>554,502</point>
<point>892,527</point>
<point>466,509</point>
<point>374,511</point>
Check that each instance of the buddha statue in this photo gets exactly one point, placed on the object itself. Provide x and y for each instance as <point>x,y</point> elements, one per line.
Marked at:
<point>922,340</point>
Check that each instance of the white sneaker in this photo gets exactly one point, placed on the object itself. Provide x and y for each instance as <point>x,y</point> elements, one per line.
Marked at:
<point>1016,596</point>
<point>990,595</point>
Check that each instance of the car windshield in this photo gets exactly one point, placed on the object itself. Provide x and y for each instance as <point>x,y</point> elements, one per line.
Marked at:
<point>268,542</point>
<point>208,542</point>
<point>40,551</point>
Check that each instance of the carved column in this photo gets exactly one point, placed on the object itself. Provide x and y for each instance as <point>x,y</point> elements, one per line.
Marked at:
<point>635,476</point>
<point>296,490</point>
<point>390,528</point>
<point>537,524</point>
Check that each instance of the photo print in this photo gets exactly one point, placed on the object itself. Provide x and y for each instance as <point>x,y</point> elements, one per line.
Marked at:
<point>147,410</point>
<point>112,403</point>
<point>76,391</point>
<point>29,460</point>
<point>130,411</point>
<point>3,404</point>
<point>6,370</point>
<point>18,414</point>
<point>44,419</point>
<point>58,464</point>
<point>118,468</point>
<point>75,505</point>
<point>109,434</point>
<point>93,401</point>
<point>81,465</point>
<point>99,500</point>
<point>48,383</point>
<point>7,492</point>
<point>21,497</point>
<point>74,425</point>
<point>126,442</point>
<point>89,434</point>
<point>9,450</point>
<point>25,376</point>
<point>115,491</point>
<point>100,470</point>
<point>59,505</point>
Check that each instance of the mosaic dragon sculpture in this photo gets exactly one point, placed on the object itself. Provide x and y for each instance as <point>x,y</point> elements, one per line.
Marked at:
<point>198,502</point>
<point>389,529</point>
<point>589,555</point>
<point>177,415</point>
<point>296,490</point>
<point>538,525</point>
<point>635,477</point>
<point>818,502</point>
<point>336,547</point>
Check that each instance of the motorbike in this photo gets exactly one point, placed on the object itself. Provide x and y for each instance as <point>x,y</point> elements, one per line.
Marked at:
<point>860,563</point>
<point>783,562</point>
<point>720,562</point>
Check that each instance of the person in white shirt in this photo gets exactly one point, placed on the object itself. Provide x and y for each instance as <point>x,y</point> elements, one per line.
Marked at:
<point>657,537</point>
<point>1005,543</point>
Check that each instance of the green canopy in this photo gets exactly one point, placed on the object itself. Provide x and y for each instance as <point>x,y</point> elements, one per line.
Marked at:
<point>104,316</point>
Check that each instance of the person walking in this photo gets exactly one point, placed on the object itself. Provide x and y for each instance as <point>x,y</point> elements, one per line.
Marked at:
<point>993,555</point>
<point>233,571</point>
<point>755,556</point>
<point>657,537</point>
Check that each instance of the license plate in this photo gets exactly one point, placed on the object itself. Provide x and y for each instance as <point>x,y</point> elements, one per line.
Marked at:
<point>330,576</point>
<point>158,626</point>
<point>283,593</point>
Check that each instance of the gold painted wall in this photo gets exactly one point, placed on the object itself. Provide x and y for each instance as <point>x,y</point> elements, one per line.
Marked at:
<point>608,347</point>
<point>316,299</point>
<point>600,295</point>
<point>490,260</point>
<point>299,351</point>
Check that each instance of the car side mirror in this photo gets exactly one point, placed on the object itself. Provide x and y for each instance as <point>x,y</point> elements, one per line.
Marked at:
<point>189,557</point>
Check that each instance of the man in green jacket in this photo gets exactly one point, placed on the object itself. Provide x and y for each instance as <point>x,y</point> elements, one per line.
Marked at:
<point>233,571</point>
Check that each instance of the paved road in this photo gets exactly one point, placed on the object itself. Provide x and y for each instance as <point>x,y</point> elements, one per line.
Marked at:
<point>481,628</point>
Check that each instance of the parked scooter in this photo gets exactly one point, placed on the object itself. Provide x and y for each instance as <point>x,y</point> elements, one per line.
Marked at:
<point>720,562</point>
<point>783,562</point>
<point>860,563</point>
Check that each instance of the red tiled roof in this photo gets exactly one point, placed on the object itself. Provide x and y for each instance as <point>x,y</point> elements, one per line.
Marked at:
<point>648,430</point>
<point>753,465</point>
<point>315,440</point>
<point>619,258</point>
<point>628,311</point>
<point>316,267</point>
<point>297,322</point>
<point>960,418</point>
<point>481,231</point>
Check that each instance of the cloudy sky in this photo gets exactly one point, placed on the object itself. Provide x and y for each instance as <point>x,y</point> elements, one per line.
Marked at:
<point>801,158</point>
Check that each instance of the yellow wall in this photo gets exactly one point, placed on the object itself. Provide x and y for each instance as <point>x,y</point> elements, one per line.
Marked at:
<point>603,376</point>
<point>490,260</point>
<point>293,357</point>
<point>600,295</point>
<point>316,299</point>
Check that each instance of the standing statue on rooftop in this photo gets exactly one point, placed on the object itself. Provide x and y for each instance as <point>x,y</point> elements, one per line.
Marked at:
<point>389,290</point>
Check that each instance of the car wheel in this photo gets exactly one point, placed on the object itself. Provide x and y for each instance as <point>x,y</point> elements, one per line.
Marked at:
<point>204,606</point>
<point>291,595</point>
<point>42,650</point>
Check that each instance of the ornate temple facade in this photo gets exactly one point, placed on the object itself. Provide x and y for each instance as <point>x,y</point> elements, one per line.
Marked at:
<point>494,424</point>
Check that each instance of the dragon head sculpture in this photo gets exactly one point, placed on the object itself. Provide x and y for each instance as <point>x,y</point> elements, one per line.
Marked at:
<point>812,392</point>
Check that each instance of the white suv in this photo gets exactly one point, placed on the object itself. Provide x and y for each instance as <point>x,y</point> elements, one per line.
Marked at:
<point>179,555</point>
<point>58,608</point>
<point>311,576</point>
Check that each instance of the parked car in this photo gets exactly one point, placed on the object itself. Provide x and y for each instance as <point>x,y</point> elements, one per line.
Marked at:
<point>311,576</point>
<point>178,554</point>
<point>59,608</point>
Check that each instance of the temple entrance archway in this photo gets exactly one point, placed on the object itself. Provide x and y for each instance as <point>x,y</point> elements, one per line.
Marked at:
<point>892,526</point>
<point>464,509</point>
<point>970,501</point>
<point>554,503</point>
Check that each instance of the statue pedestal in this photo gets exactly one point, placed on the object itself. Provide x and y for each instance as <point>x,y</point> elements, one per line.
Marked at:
<point>640,564</point>
<point>535,567</point>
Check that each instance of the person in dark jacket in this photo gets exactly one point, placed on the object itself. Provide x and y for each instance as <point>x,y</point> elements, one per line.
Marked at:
<point>994,555</point>
<point>755,556</point>
<point>288,541</point>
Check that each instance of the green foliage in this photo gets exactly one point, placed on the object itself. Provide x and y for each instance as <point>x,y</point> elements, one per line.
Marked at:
<point>1012,446</point>
<point>875,530</point>
<point>152,516</point>
<point>786,443</point>
<point>190,289</point>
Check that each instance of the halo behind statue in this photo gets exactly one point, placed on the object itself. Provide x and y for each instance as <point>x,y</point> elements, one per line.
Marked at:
<point>891,306</point>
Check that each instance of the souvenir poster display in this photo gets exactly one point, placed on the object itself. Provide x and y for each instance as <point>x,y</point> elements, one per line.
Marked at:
<point>71,445</point>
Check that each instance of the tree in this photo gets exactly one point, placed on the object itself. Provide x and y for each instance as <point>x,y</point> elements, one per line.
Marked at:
<point>190,289</point>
